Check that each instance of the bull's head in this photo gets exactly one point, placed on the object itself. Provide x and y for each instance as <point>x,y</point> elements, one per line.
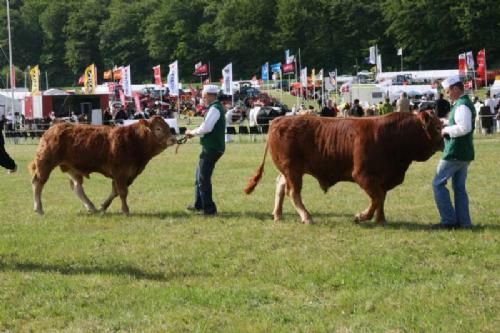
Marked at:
<point>161,131</point>
<point>432,126</point>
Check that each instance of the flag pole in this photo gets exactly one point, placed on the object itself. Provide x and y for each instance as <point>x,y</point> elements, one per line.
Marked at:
<point>297,80</point>
<point>10,63</point>
<point>401,59</point>
<point>300,68</point>
<point>485,70</point>
<point>209,73</point>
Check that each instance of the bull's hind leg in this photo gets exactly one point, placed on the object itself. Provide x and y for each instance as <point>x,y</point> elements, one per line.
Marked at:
<point>112,195</point>
<point>279,197</point>
<point>294,184</point>
<point>37,186</point>
<point>41,172</point>
<point>76,184</point>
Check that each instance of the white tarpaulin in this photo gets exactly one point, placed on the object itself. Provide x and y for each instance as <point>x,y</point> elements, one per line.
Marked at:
<point>411,90</point>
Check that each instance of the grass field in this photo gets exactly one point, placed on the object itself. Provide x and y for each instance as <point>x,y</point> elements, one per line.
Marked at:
<point>164,270</point>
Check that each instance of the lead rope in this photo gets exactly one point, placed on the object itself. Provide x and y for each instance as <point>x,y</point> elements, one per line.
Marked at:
<point>180,142</point>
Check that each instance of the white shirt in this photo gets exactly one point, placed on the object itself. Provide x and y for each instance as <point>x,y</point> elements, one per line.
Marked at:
<point>491,103</point>
<point>463,123</point>
<point>208,124</point>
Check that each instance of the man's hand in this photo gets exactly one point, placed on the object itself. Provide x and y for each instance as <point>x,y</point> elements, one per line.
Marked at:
<point>188,134</point>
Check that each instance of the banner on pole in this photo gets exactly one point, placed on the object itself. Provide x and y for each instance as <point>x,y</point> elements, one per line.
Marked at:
<point>462,66</point>
<point>276,68</point>
<point>89,80</point>
<point>173,79</point>
<point>470,61</point>
<point>303,77</point>
<point>227,77</point>
<point>265,72</point>
<point>200,69</point>
<point>289,68</point>
<point>35,79</point>
<point>157,75</point>
<point>372,59</point>
<point>126,81</point>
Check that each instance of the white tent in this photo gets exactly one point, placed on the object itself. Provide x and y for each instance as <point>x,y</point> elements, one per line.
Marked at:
<point>495,89</point>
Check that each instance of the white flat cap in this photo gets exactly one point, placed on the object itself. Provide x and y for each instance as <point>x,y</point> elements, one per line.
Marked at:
<point>211,89</point>
<point>450,81</point>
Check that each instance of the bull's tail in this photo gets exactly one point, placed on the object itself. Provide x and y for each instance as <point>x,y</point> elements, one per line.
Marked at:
<point>252,183</point>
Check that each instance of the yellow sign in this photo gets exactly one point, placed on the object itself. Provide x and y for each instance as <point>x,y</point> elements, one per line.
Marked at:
<point>89,80</point>
<point>35,79</point>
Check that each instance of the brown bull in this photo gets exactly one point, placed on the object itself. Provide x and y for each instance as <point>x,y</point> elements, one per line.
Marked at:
<point>119,153</point>
<point>374,152</point>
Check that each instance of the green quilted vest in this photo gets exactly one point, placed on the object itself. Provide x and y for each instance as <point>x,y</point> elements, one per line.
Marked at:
<point>461,148</point>
<point>214,141</point>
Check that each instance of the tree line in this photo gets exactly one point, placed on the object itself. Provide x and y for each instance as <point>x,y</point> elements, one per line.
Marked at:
<point>63,37</point>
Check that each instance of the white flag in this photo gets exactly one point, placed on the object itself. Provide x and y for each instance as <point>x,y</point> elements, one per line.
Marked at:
<point>227,77</point>
<point>373,58</point>
<point>173,79</point>
<point>400,51</point>
<point>320,75</point>
<point>126,81</point>
<point>379,63</point>
<point>303,77</point>
<point>470,60</point>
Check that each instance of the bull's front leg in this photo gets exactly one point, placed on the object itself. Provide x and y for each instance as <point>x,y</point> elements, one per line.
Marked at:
<point>377,199</point>
<point>122,189</point>
<point>279,196</point>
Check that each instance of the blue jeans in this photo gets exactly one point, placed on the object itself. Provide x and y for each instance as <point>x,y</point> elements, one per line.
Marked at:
<point>457,171</point>
<point>203,183</point>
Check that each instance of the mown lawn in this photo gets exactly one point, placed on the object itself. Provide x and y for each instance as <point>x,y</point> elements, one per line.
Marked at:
<point>164,270</point>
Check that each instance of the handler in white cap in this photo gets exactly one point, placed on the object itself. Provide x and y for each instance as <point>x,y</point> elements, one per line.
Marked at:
<point>457,155</point>
<point>211,132</point>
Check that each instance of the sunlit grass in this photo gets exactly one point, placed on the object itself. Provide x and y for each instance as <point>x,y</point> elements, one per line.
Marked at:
<point>162,269</point>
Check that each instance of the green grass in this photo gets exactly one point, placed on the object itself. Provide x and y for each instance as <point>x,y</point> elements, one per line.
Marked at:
<point>164,270</point>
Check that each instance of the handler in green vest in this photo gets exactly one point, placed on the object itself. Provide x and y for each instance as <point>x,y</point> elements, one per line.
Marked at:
<point>457,155</point>
<point>211,131</point>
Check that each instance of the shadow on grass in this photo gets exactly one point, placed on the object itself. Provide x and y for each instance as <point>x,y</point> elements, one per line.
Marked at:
<point>412,226</point>
<point>156,214</point>
<point>75,269</point>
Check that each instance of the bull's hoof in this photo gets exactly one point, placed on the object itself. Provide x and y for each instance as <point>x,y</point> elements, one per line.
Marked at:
<point>308,221</point>
<point>381,223</point>
<point>360,217</point>
<point>277,217</point>
<point>92,210</point>
<point>39,212</point>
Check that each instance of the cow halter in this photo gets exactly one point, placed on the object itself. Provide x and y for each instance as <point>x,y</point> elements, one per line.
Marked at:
<point>180,142</point>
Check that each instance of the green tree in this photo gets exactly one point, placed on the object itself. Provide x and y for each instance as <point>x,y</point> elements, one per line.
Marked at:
<point>243,34</point>
<point>122,40</point>
<point>82,26</point>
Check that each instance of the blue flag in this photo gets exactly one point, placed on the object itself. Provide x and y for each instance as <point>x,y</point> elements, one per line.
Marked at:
<point>276,68</point>
<point>265,72</point>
